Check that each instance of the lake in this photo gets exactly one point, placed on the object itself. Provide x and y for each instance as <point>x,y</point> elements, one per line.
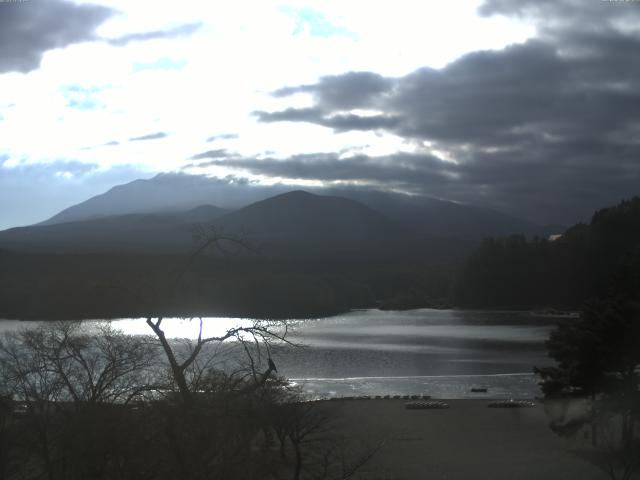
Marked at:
<point>443,353</point>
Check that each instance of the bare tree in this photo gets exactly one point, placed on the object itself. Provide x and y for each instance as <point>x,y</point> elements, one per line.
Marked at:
<point>63,361</point>
<point>263,332</point>
<point>77,382</point>
<point>308,431</point>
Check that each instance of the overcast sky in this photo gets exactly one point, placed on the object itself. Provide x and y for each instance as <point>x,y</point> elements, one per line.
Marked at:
<point>531,107</point>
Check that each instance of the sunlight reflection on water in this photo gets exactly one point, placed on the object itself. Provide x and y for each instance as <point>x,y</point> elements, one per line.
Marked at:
<point>372,352</point>
<point>182,328</point>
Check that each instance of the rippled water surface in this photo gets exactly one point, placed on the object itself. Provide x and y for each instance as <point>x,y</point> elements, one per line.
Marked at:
<point>444,353</point>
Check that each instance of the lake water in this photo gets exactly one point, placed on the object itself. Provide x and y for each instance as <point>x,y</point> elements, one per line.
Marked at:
<point>443,353</point>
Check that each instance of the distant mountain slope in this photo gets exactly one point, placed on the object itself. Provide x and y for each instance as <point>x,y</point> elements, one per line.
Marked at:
<point>296,224</point>
<point>423,215</point>
<point>163,193</point>
<point>133,232</point>
<point>442,218</point>
<point>303,224</point>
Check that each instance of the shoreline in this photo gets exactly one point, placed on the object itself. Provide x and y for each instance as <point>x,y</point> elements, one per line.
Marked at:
<point>533,313</point>
<point>481,386</point>
<point>467,440</point>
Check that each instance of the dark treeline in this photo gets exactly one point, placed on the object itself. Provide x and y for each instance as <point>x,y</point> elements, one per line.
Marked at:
<point>586,262</point>
<point>67,286</point>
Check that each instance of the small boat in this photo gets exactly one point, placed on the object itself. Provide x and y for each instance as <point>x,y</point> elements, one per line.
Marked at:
<point>479,390</point>
<point>431,405</point>
<point>511,403</point>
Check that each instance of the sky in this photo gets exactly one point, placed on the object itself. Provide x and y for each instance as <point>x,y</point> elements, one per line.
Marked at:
<point>529,107</point>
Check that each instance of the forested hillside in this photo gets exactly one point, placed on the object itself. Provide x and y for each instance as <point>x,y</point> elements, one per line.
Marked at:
<point>587,261</point>
<point>47,286</point>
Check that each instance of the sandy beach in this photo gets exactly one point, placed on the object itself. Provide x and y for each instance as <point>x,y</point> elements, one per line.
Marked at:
<point>466,441</point>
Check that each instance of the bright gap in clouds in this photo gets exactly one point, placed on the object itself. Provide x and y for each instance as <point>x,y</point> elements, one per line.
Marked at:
<point>145,76</point>
<point>196,85</point>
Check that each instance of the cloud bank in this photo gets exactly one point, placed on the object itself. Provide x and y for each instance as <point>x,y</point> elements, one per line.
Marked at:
<point>548,128</point>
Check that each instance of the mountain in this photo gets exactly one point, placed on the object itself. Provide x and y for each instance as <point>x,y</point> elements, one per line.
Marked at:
<point>172,192</point>
<point>139,232</point>
<point>296,224</point>
<point>441,218</point>
<point>299,223</point>
<point>423,215</point>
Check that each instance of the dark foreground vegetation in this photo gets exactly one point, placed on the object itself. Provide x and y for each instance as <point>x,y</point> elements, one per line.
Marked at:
<point>594,389</point>
<point>102,405</point>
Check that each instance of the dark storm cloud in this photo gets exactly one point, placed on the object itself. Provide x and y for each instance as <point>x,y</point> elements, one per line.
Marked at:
<point>494,182</point>
<point>547,128</point>
<point>401,169</point>
<point>563,14</point>
<point>351,90</point>
<point>176,32</point>
<point>350,121</point>
<point>28,29</point>
<point>338,122</point>
<point>151,136</point>
<point>494,98</point>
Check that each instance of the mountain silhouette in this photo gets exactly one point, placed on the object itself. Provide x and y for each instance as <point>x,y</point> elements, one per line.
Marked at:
<point>139,232</point>
<point>434,217</point>
<point>295,224</point>
<point>170,192</point>
<point>423,215</point>
<point>299,223</point>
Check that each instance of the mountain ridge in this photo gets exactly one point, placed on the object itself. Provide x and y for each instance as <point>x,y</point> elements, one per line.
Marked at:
<point>178,192</point>
<point>297,224</point>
